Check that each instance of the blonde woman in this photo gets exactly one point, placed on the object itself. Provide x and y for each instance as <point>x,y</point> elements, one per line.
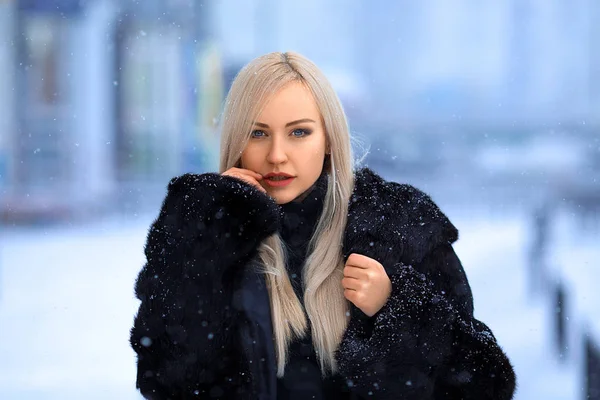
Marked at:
<point>290,275</point>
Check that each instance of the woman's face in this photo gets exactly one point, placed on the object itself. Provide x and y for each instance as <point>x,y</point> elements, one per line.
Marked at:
<point>288,144</point>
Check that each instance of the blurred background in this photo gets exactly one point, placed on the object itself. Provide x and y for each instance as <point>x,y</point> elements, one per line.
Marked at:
<point>490,106</point>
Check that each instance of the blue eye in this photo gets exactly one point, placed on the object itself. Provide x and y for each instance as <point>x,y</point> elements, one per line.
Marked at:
<point>300,132</point>
<point>257,134</point>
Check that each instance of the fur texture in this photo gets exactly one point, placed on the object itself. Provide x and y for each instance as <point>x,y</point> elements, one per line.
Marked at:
<point>424,343</point>
<point>208,335</point>
<point>187,330</point>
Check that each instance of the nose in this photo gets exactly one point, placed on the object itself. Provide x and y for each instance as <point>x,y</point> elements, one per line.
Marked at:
<point>277,152</point>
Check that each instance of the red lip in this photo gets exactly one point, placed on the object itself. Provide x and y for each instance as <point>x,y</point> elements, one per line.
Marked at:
<point>272,174</point>
<point>278,183</point>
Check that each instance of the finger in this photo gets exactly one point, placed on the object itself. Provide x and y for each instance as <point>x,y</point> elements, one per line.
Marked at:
<point>351,284</point>
<point>353,296</point>
<point>252,177</point>
<point>354,272</point>
<point>254,182</point>
<point>359,261</point>
<point>246,178</point>
<point>249,179</point>
<point>242,172</point>
<point>249,172</point>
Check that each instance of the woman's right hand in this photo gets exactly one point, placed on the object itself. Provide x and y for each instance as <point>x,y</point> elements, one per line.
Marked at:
<point>247,176</point>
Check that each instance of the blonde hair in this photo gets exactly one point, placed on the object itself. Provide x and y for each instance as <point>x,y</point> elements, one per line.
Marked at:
<point>326,306</point>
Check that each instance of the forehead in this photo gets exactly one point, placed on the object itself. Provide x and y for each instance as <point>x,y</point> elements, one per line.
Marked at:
<point>292,102</point>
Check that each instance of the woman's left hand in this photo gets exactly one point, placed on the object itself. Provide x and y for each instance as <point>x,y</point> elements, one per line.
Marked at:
<point>366,284</point>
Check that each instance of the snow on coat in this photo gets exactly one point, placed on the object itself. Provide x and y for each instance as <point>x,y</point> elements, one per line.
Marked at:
<point>203,326</point>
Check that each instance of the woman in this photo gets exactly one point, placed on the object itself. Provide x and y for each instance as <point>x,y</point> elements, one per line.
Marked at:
<point>292,276</point>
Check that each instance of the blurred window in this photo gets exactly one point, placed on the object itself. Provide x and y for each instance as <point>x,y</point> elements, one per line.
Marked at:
<point>43,104</point>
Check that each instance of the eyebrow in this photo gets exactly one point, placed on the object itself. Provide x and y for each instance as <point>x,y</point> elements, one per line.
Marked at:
<point>296,122</point>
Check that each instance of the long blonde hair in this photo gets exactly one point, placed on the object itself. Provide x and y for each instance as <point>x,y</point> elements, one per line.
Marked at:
<point>326,306</point>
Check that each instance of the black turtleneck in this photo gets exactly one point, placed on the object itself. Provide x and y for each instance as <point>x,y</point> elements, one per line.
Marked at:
<point>302,379</point>
<point>298,222</point>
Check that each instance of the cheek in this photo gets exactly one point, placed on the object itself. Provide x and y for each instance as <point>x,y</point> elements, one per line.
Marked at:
<point>318,147</point>
<point>243,161</point>
<point>248,158</point>
<point>319,154</point>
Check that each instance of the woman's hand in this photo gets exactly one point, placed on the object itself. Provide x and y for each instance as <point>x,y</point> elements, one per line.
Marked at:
<point>247,176</point>
<point>366,284</point>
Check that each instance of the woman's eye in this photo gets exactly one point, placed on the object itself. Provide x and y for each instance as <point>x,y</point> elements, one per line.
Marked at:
<point>257,133</point>
<point>300,132</point>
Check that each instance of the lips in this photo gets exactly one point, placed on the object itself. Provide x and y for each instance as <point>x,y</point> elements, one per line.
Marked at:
<point>277,175</point>
<point>278,179</point>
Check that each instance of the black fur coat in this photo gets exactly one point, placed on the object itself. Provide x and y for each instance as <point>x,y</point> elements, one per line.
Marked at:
<point>203,327</point>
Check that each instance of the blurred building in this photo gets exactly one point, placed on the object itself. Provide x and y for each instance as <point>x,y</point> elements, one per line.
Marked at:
<point>102,101</point>
<point>327,32</point>
<point>450,79</point>
<point>592,47</point>
<point>108,99</point>
<point>479,61</point>
<point>61,161</point>
<point>7,97</point>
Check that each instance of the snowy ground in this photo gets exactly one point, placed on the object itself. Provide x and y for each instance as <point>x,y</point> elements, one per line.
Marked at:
<point>493,250</point>
<point>67,303</point>
<point>65,310</point>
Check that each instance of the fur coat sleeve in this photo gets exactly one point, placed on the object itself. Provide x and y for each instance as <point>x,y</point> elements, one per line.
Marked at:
<point>208,228</point>
<point>425,342</point>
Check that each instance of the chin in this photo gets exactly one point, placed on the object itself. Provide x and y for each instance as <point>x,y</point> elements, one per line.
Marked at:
<point>282,198</point>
